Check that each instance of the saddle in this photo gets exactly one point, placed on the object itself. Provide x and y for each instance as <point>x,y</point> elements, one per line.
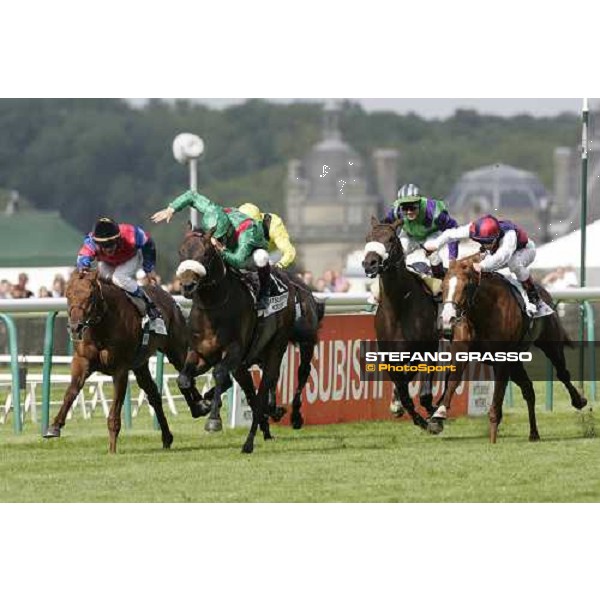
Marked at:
<point>278,289</point>
<point>431,285</point>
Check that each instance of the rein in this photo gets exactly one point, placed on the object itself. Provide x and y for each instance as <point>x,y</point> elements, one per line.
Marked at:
<point>95,317</point>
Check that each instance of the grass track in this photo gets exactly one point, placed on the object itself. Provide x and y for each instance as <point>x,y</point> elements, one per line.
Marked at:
<point>360,462</point>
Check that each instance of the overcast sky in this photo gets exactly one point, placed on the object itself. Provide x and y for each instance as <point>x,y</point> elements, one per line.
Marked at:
<point>444,107</point>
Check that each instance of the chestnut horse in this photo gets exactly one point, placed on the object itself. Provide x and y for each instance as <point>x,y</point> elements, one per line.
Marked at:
<point>106,327</point>
<point>484,315</point>
<point>407,313</point>
<point>226,333</point>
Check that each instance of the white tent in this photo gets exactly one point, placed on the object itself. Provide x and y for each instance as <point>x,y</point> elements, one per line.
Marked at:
<point>566,250</point>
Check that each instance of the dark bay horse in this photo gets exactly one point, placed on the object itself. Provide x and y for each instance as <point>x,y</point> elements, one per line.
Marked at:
<point>226,333</point>
<point>484,315</point>
<point>106,327</point>
<point>407,313</point>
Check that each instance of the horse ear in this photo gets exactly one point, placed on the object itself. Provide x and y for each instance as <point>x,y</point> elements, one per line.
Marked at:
<point>397,223</point>
<point>374,221</point>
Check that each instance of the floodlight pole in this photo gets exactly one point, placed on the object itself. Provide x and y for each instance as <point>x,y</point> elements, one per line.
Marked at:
<point>187,148</point>
<point>584,178</point>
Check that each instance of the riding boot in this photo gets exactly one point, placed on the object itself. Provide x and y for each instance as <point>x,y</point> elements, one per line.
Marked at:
<point>264,278</point>
<point>151,309</point>
<point>438,271</point>
<point>531,290</point>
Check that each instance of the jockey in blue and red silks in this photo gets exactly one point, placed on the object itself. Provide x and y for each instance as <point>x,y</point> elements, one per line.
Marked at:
<point>506,243</point>
<point>120,251</point>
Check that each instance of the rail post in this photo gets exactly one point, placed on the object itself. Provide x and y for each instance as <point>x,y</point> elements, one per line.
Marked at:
<point>47,370</point>
<point>14,367</point>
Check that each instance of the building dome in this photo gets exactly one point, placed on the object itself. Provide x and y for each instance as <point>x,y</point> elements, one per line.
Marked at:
<point>498,187</point>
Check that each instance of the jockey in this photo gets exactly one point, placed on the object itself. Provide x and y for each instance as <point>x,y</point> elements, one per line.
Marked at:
<point>275,233</point>
<point>120,250</point>
<point>423,219</point>
<point>507,245</point>
<point>239,238</point>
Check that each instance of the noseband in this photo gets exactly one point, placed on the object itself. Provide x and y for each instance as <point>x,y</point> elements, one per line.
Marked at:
<point>211,282</point>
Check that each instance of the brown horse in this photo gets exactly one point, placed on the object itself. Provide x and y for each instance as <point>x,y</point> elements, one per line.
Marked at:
<point>227,334</point>
<point>107,329</point>
<point>484,315</point>
<point>407,313</point>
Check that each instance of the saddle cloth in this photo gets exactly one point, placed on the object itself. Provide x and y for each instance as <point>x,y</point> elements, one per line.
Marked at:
<point>278,290</point>
<point>531,310</point>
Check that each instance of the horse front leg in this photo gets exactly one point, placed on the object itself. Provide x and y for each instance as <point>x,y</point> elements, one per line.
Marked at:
<point>114,416</point>
<point>80,371</point>
<point>259,406</point>
<point>401,382</point>
<point>193,366</point>
<point>501,376</point>
<point>453,379</point>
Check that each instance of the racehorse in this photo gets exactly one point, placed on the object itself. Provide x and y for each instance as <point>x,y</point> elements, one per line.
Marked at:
<point>226,333</point>
<point>106,327</point>
<point>407,312</point>
<point>304,335</point>
<point>484,315</point>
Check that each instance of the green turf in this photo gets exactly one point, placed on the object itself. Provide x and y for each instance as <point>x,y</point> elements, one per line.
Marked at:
<point>361,462</point>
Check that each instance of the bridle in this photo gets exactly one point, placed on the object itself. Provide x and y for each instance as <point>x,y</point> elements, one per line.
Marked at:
<point>95,315</point>
<point>463,307</point>
<point>394,259</point>
<point>210,282</point>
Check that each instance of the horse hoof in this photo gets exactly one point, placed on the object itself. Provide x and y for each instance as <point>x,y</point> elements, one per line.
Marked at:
<point>199,409</point>
<point>213,425</point>
<point>534,438</point>
<point>52,432</point>
<point>579,403</point>
<point>297,422</point>
<point>435,426</point>
<point>277,413</point>
<point>397,409</point>
<point>167,442</point>
<point>247,449</point>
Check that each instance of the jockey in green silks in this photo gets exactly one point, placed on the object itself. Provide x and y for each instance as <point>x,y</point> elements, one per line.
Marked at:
<point>239,238</point>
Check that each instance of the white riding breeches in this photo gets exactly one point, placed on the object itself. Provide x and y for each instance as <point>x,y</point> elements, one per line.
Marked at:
<point>409,245</point>
<point>124,275</point>
<point>520,260</point>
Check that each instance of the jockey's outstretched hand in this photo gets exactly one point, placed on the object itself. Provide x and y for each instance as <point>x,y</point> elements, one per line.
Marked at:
<point>430,247</point>
<point>152,277</point>
<point>217,244</point>
<point>163,215</point>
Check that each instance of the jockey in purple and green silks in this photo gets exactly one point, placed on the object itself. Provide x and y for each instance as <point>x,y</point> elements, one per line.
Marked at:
<point>240,239</point>
<point>423,219</point>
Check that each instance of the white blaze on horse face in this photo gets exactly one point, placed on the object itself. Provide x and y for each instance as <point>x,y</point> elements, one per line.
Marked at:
<point>378,248</point>
<point>191,265</point>
<point>449,311</point>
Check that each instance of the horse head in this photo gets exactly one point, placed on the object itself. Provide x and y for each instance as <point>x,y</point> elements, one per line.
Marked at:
<point>201,264</point>
<point>383,248</point>
<point>458,289</point>
<point>85,302</point>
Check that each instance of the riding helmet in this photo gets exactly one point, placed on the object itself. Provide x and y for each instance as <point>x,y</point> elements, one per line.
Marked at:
<point>106,230</point>
<point>485,230</point>
<point>408,190</point>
